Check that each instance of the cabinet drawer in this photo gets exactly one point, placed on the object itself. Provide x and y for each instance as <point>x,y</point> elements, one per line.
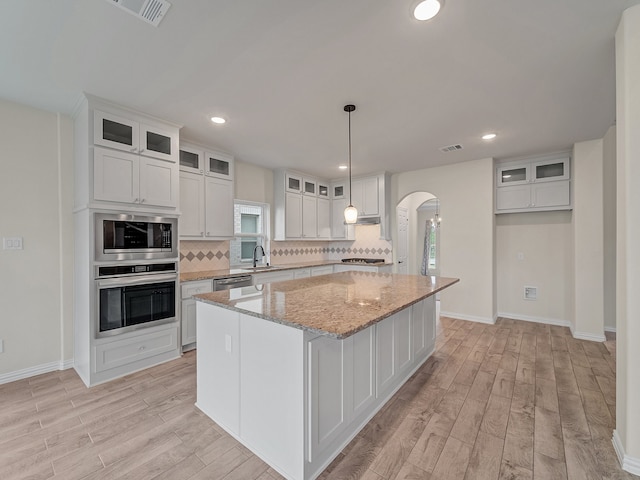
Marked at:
<point>119,353</point>
<point>315,271</point>
<point>193,288</point>
<point>302,273</point>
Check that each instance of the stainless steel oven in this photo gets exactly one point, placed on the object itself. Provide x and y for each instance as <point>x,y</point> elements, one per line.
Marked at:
<point>130,297</point>
<point>135,237</point>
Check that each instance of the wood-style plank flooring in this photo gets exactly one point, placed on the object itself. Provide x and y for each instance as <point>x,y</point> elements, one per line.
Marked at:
<point>515,400</point>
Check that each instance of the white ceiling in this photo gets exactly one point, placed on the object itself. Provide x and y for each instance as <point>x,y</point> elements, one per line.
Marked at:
<point>539,73</point>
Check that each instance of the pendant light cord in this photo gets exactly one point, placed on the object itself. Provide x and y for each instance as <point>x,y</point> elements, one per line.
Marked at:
<point>350,202</point>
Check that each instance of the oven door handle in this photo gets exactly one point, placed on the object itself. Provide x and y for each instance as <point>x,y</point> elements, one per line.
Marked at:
<point>136,280</point>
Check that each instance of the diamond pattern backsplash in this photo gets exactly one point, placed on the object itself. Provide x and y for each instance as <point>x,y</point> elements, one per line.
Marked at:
<point>199,256</point>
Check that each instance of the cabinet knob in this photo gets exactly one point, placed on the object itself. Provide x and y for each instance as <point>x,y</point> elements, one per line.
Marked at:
<point>136,200</point>
<point>208,233</point>
<point>142,200</point>
<point>141,348</point>
<point>141,150</point>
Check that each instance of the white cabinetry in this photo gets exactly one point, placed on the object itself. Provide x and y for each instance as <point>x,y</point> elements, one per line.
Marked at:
<point>302,210</point>
<point>323,270</point>
<point>268,277</point>
<point>365,196</point>
<point>534,185</point>
<point>188,312</point>
<point>131,135</point>
<point>340,201</point>
<point>206,194</point>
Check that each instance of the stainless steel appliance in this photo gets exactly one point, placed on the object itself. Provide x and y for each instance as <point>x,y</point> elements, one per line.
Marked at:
<point>130,297</point>
<point>135,237</point>
<point>231,282</point>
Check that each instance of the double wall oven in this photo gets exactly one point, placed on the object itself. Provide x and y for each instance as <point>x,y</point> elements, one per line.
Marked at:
<point>136,272</point>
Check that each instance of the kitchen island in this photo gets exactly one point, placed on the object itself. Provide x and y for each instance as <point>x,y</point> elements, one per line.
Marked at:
<point>295,369</point>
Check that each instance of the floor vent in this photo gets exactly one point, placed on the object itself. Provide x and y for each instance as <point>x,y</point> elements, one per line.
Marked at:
<point>151,11</point>
<point>451,148</point>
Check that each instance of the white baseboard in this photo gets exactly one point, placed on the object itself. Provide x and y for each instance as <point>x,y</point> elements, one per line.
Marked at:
<point>588,336</point>
<point>37,370</point>
<point>610,329</point>
<point>629,464</point>
<point>526,318</point>
<point>472,318</point>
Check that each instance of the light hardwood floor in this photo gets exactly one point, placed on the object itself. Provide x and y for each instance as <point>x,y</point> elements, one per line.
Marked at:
<point>506,401</point>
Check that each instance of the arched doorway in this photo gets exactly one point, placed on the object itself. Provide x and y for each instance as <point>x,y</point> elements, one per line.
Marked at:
<point>416,217</point>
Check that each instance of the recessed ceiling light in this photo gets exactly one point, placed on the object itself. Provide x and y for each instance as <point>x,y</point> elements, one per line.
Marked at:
<point>343,167</point>
<point>218,120</point>
<point>489,136</point>
<point>427,9</point>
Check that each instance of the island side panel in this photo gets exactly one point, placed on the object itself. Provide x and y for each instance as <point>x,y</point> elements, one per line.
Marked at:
<point>218,365</point>
<point>272,393</point>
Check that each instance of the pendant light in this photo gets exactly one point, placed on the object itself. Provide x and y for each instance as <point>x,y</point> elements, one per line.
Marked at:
<point>351,212</point>
<point>437,218</point>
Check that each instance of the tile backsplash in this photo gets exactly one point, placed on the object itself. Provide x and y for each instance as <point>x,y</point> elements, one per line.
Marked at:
<point>197,255</point>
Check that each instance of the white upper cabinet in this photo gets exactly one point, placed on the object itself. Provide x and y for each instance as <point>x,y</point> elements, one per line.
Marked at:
<point>206,193</point>
<point>365,196</point>
<point>324,218</point>
<point>532,185</point>
<point>309,186</point>
<point>131,135</point>
<point>323,189</point>
<point>128,178</point>
<point>293,183</point>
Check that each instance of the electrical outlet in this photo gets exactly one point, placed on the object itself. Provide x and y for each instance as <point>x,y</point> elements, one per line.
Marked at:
<point>12,243</point>
<point>530,293</point>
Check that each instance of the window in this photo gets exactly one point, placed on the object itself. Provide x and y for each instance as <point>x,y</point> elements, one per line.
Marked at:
<point>251,229</point>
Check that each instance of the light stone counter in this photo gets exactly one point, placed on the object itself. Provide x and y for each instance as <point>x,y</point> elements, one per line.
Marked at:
<point>336,305</point>
<point>234,272</point>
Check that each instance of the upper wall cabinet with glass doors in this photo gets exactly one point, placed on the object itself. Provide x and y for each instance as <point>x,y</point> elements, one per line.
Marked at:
<point>537,184</point>
<point>206,193</point>
<point>211,163</point>
<point>131,135</point>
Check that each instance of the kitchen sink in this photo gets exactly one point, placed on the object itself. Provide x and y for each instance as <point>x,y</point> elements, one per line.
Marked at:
<point>260,268</point>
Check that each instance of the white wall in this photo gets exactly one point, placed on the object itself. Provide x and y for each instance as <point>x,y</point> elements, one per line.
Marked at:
<point>627,433</point>
<point>535,249</point>
<point>588,234</point>
<point>36,198</point>
<point>466,235</point>
<point>609,226</point>
<point>253,183</point>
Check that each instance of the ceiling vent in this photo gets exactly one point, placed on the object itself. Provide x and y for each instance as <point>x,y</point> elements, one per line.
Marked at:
<point>451,148</point>
<point>151,11</point>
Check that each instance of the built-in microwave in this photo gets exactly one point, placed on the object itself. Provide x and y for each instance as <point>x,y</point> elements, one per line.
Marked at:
<point>135,237</point>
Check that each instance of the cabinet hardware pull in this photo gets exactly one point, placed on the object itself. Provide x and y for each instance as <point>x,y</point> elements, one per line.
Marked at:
<point>136,200</point>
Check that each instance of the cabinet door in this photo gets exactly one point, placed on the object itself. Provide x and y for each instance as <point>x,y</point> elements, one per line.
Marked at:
<point>363,370</point>
<point>326,392</point>
<point>513,175</point>
<point>420,336</point>
<point>219,165</point>
<point>188,319</point>
<point>550,194</point>
<point>158,143</point>
<point>293,183</point>
<point>402,339</point>
<point>309,217</point>
<point>293,215</point>
<point>115,176</point>
<point>159,183</point>
<point>116,132</point>
<point>309,186</point>
<point>550,170</point>
<point>339,190</point>
<point>302,273</point>
<point>370,196</point>
<point>338,228</point>
<point>513,197</point>
<point>324,218</point>
<point>191,204</point>
<point>385,356</point>
<point>323,190</point>
<point>262,278</point>
<point>191,160</point>
<point>218,207</point>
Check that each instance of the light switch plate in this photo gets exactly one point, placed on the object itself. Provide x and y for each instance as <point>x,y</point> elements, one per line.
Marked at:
<point>12,243</point>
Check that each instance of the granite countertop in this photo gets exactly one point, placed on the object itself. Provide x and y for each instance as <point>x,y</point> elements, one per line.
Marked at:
<point>336,305</point>
<point>235,272</point>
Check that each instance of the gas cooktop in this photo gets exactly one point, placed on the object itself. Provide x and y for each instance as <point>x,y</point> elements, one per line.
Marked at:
<point>363,260</point>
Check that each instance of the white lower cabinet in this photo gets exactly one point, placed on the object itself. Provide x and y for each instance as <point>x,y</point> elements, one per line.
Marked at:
<point>123,352</point>
<point>188,308</point>
<point>324,270</point>
<point>268,277</point>
<point>301,397</point>
<point>302,273</point>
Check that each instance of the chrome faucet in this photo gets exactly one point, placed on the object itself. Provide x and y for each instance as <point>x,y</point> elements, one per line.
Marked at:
<point>255,259</point>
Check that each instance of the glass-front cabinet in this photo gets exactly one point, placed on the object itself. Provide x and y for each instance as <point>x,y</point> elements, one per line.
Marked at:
<point>293,183</point>
<point>219,165</point>
<point>550,170</point>
<point>517,175</point>
<point>191,159</point>
<point>537,171</point>
<point>121,133</point>
<point>323,190</point>
<point>310,186</point>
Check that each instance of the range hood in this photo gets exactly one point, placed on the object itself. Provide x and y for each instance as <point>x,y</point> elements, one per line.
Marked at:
<point>367,221</point>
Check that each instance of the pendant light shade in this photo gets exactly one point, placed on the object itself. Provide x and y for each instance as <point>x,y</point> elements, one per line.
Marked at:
<point>351,212</point>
